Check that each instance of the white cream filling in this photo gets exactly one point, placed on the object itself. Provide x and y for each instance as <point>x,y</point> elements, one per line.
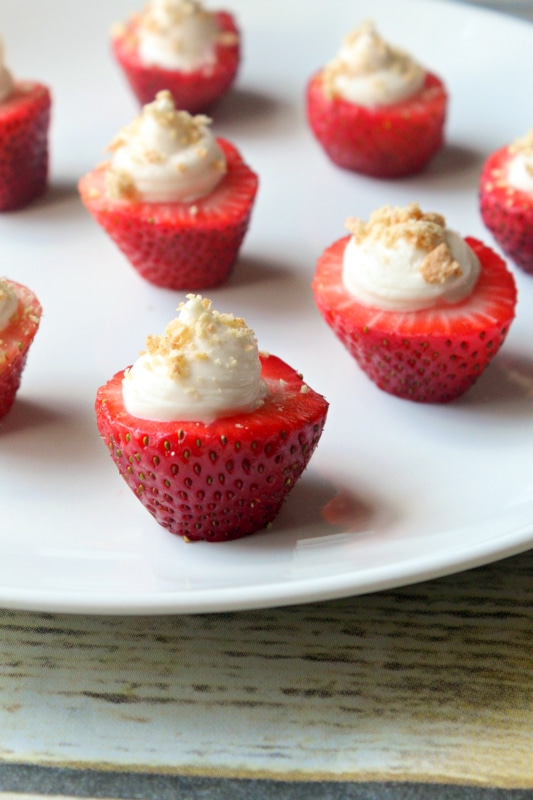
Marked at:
<point>165,156</point>
<point>390,275</point>
<point>520,172</point>
<point>207,368</point>
<point>177,35</point>
<point>369,72</point>
<point>7,84</point>
<point>8,303</point>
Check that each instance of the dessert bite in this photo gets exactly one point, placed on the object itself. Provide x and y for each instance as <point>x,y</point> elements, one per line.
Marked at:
<point>375,110</point>
<point>20,315</point>
<point>506,199</point>
<point>180,46</point>
<point>24,122</point>
<point>210,434</point>
<point>422,310</point>
<point>176,200</point>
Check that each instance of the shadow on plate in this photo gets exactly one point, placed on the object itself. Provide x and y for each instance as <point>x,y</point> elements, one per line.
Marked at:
<point>317,510</point>
<point>453,160</point>
<point>252,270</point>
<point>28,415</point>
<point>242,107</point>
<point>506,385</point>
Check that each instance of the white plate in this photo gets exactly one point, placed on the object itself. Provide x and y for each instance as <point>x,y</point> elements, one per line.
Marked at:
<point>396,492</point>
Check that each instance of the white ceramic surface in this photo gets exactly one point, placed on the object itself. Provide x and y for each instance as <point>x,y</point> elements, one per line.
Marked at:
<point>396,492</point>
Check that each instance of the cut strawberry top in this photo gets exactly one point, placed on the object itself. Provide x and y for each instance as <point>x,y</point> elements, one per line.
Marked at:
<point>223,206</point>
<point>22,327</point>
<point>492,300</point>
<point>285,407</point>
<point>15,341</point>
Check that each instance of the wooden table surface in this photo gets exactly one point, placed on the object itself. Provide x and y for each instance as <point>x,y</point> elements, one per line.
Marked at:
<point>427,684</point>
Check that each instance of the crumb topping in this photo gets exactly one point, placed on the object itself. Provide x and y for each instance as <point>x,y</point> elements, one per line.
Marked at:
<point>6,291</point>
<point>175,21</point>
<point>174,345</point>
<point>366,52</point>
<point>423,231</point>
<point>162,141</point>
<point>120,185</point>
<point>524,146</point>
<point>186,129</point>
<point>439,265</point>
<point>176,13</point>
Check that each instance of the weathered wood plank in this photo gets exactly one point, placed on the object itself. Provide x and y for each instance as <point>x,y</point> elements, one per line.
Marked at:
<point>430,682</point>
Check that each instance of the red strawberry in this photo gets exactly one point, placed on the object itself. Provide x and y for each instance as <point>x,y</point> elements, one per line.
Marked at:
<point>221,480</point>
<point>24,122</point>
<point>15,341</point>
<point>179,245</point>
<point>429,355</point>
<point>192,91</point>
<point>507,212</point>
<point>382,141</point>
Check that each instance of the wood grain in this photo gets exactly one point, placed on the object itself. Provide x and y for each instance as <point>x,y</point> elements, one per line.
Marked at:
<point>428,683</point>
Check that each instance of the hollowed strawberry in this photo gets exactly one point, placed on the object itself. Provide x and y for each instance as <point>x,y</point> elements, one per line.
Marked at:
<point>195,91</point>
<point>179,245</point>
<point>429,355</point>
<point>220,480</point>
<point>385,141</point>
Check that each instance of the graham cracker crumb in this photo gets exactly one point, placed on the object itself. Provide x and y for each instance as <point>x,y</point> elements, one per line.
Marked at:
<point>439,265</point>
<point>120,185</point>
<point>175,341</point>
<point>423,231</point>
<point>369,53</point>
<point>523,144</point>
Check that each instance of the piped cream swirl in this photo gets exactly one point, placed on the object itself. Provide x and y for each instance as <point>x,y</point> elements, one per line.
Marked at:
<point>370,72</point>
<point>405,260</point>
<point>520,165</point>
<point>164,156</point>
<point>205,366</point>
<point>8,303</point>
<point>7,84</point>
<point>177,35</point>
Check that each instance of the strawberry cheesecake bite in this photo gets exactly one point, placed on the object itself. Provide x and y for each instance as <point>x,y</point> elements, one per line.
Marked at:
<point>20,315</point>
<point>209,434</point>
<point>180,46</point>
<point>375,110</point>
<point>422,310</point>
<point>506,200</point>
<point>176,200</point>
<point>24,122</point>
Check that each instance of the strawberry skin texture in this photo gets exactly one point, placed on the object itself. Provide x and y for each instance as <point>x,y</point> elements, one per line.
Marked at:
<point>221,480</point>
<point>179,245</point>
<point>430,355</point>
<point>15,341</point>
<point>382,141</point>
<point>24,123</point>
<point>195,91</point>
<point>507,212</point>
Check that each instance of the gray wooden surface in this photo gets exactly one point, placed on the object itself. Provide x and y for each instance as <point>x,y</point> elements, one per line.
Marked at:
<point>431,683</point>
